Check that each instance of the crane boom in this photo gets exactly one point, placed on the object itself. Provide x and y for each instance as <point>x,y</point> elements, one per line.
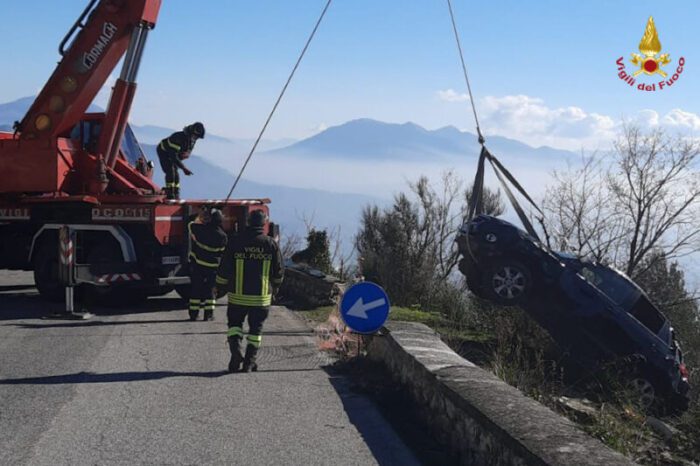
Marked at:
<point>67,170</point>
<point>86,65</point>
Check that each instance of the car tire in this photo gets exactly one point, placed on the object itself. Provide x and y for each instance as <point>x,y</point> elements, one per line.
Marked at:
<point>642,391</point>
<point>507,282</point>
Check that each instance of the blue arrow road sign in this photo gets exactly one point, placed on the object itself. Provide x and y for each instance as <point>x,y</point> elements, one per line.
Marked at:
<point>365,307</point>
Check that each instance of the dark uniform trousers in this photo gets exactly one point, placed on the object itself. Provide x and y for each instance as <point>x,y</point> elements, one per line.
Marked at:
<point>203,280</point>
<point>256,317</point>
<point>172,176</point>
<point>207,245</point>
<point>170,151</point>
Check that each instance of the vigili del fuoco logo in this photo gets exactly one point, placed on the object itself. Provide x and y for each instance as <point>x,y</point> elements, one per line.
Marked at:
<point>650,62</point>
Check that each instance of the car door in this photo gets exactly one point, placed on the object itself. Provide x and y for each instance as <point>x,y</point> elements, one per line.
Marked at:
<point>601,333</point>
<point>648,324</point>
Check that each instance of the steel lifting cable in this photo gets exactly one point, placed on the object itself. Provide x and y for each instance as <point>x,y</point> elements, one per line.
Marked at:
<point>464,70</point>
<point>279,99</point>
<point>476,202</point>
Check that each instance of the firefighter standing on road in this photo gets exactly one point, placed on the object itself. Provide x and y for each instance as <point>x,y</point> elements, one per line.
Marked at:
<point>208,242</point>
<point>252,272</point>
<point>172,151</point>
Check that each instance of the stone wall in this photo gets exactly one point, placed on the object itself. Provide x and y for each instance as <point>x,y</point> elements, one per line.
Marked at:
<point>306,288</point>
<point>481,419</point>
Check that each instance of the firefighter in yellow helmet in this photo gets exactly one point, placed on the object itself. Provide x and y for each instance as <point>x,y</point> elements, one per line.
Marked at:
<point>251,269</point>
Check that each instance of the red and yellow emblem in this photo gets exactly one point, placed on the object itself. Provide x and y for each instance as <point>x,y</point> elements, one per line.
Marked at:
<point>650,62</point>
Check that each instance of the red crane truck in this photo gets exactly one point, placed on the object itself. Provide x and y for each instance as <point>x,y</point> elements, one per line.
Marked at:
<point>65,167</point>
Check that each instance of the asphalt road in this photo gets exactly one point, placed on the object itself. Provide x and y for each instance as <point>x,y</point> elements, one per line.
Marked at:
<point>146,386</point>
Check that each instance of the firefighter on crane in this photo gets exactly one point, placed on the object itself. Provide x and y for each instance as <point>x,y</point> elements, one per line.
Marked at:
<point>252,272</point>
<point>172,151</point>
<point>208,242</point>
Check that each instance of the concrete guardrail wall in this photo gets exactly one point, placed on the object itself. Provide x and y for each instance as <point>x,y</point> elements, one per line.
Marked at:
<point>483,420</point>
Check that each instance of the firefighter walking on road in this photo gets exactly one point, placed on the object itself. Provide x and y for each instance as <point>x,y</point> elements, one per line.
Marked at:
<point>172,151</point>
<point>252,272</point>
<point>208,242</point>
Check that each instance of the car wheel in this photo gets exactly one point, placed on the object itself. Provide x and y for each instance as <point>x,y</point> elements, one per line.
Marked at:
<point>507,283</point>
<point>643,391</point>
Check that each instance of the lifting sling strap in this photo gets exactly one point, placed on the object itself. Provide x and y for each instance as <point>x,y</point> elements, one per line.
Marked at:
<point>476,202</point>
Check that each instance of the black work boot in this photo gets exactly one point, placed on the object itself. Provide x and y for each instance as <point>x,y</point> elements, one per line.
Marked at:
<point>194,315</point>
<point>234,344</point>
<point>208,315</point>
<point>249,364</point>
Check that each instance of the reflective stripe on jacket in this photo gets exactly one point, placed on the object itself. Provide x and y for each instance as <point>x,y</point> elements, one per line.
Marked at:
<point>175,146</point>
<point>207,244</point>
<point>252,269</point>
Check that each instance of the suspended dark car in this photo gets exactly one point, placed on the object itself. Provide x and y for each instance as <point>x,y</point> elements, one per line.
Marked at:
<point>593,312</point>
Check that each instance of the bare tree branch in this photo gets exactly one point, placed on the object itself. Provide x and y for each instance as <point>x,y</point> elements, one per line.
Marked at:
<point>646,199</point>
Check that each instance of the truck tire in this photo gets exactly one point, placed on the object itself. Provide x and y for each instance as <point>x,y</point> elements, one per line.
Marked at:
<point>45,264</point>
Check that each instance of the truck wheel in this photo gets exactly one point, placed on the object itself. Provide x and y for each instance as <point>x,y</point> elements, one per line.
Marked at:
<point>46,274</point>
<point>507,282</point>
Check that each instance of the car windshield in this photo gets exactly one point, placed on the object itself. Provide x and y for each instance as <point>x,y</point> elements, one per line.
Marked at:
<point>612,284</point>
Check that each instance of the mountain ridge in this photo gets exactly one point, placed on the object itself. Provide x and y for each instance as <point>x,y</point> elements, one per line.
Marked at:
<point>360,138</point>
<point>368,138</point>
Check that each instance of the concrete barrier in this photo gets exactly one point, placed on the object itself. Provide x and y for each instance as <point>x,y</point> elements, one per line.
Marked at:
<point>480,418</point>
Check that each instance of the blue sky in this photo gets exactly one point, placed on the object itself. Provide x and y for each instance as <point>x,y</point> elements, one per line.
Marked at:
<point>543,71</point>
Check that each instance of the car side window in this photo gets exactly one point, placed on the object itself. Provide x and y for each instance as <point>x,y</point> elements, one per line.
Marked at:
<point>590,275</point>
<point>612,284</point>
<point>647,314</point>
